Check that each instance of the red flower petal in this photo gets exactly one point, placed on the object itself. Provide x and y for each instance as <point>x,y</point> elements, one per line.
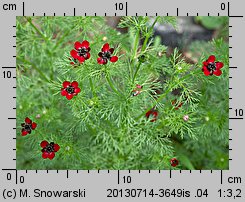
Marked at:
<point>74,54</point>
<point>45,155</point>
<point>44,143</point>
<point>148,114</point>
<point>74,84</point>
<point>33,125</point>
<point>51,155</point>
<point>77,45</point>
<point>205,71</point>
<point>63,92</point>
<point>139,86</point>
<point>24,132</point>
<point>101,61</point>
<point>155,113</point>
<point>211,59</point>
<point>85,44</point>
<point>114,59</point>
<point>219,65</point>
<point>217,72</point>
<point>66,84</point>
<point>153,120</point>
<point>56,147</point>
<point>69,96</point>
<point>180,105</point>
<point>81,59</point>
<point>87,56</point>
<point>106,47</point>
<point>205,63</point>
<point>111,50</point>
<point>27,120</point>
<point>77,90</point>
<point>174,162</point>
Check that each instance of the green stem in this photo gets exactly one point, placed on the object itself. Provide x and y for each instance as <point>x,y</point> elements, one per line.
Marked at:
<point>144,47</point>
<point>35,67</point>
<point>137,69</point>
<point>149,34</point>
<point>92,87</point>
<point>111,85</point>
<point>145,43</point>
<point>136,42</point>
<point>37,30</point>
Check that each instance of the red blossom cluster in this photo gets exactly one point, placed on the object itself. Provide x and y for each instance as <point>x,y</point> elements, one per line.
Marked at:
<point>81,53</point>
<point>49,149</point>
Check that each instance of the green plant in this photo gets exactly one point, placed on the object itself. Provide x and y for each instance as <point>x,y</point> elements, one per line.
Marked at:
<point>105,126</point>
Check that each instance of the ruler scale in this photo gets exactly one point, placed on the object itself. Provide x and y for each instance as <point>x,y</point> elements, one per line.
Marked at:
<point>118,185</point>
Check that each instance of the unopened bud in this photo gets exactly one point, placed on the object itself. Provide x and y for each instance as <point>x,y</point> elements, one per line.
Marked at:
<point>38,116</point>
<point>186,118</point>
<point>179,67</point>
<point>159,54</point>
<point>67,148</point>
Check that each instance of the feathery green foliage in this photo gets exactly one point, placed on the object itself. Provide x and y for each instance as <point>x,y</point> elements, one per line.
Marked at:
<point>104,126</point>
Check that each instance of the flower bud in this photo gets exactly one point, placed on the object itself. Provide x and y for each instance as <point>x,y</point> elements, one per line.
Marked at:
<point>67,148</point>
<point>185,117</point>
<point>206,118</point>
<point>38,116</point>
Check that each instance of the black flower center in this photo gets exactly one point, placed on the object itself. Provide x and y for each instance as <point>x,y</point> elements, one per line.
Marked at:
<point>174,161</point>
<point>106,55</point>
<point>70,89</point>
<point>49,148</point>
<point>211,67</point>
<point>82,51</point>
<point>27,127</point>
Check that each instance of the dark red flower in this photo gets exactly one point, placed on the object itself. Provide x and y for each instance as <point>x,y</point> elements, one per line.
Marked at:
<point>174,104</point>
<point>81,51</point>
<point>211,67</point>
<point>153,114</point>
<point>49,149</point>
<point>70,89</point>
<point>137,90</point>
<point>28,126</point>
<point>106,54</point>
<point>174,162</point>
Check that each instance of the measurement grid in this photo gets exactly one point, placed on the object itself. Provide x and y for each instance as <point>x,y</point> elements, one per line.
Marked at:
<point>130,184</point>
